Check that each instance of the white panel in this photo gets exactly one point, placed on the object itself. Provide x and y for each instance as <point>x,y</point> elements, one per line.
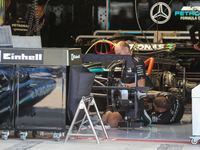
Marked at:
<point>196,91</point>
<point>195,116</point>
<point>26,42</point>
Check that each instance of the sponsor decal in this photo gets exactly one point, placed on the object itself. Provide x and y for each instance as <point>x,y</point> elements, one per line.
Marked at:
<point>12,56</point>
<point>21,56</point>
<point>175,112</point>
<point>188,13</point>
<point>148,47</point>
<point>38,92</point>
<point>73,56</point>
<point>155,46</point>
<point>41,91</point>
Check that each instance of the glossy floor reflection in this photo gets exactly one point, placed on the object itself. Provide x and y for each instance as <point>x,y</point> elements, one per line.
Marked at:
<point>170,132</point>
<point>155,137</point>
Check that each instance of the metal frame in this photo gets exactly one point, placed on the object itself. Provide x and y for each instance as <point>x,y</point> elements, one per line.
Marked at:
<point>82,105</point>
<point>111,32</point>
<point>184,35</point>
<point>107,13</point>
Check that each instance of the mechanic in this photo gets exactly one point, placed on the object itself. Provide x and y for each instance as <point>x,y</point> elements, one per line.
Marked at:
<point>128,78</point>
<point>19,25</point>
<point>193,29</point>
<point>166,108</point>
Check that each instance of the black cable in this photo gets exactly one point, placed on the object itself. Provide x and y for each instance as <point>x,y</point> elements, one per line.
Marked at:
<point>157,22</point>
<point>145,36</point>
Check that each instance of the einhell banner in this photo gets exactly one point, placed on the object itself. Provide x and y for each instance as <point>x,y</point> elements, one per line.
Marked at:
<point>21,56</point>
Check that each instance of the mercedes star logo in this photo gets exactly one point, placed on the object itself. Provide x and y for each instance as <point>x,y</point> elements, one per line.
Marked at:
<point>160,13</point>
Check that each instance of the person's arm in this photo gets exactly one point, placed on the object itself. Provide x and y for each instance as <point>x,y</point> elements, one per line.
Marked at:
<point>141,83</point>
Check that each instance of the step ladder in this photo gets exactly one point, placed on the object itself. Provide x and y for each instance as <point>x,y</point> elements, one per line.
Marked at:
<point>85,104</point>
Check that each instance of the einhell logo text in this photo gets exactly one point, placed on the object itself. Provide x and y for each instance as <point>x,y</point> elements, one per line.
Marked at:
<point>22,56</point>
<point>12,56</point>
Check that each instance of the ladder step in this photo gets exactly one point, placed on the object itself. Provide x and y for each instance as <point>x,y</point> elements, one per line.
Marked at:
<point>74,134</point>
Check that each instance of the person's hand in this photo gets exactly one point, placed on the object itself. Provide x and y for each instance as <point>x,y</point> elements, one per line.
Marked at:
<point>196,47</point>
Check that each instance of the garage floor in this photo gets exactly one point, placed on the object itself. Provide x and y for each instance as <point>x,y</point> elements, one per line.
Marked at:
<point>155,137</point>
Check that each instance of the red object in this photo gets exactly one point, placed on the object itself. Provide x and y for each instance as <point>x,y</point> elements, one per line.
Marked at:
<point>111,47</point>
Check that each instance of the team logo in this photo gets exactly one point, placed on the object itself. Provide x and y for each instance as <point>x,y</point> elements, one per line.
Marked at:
<point>160,13</point>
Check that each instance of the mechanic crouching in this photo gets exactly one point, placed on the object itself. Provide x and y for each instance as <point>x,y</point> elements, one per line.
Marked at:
<point>166,107</point>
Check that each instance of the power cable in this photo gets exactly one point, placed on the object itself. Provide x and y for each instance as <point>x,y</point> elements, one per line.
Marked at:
<point>107,41</point>
<point>145,35</point>
<point>148,29</point>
